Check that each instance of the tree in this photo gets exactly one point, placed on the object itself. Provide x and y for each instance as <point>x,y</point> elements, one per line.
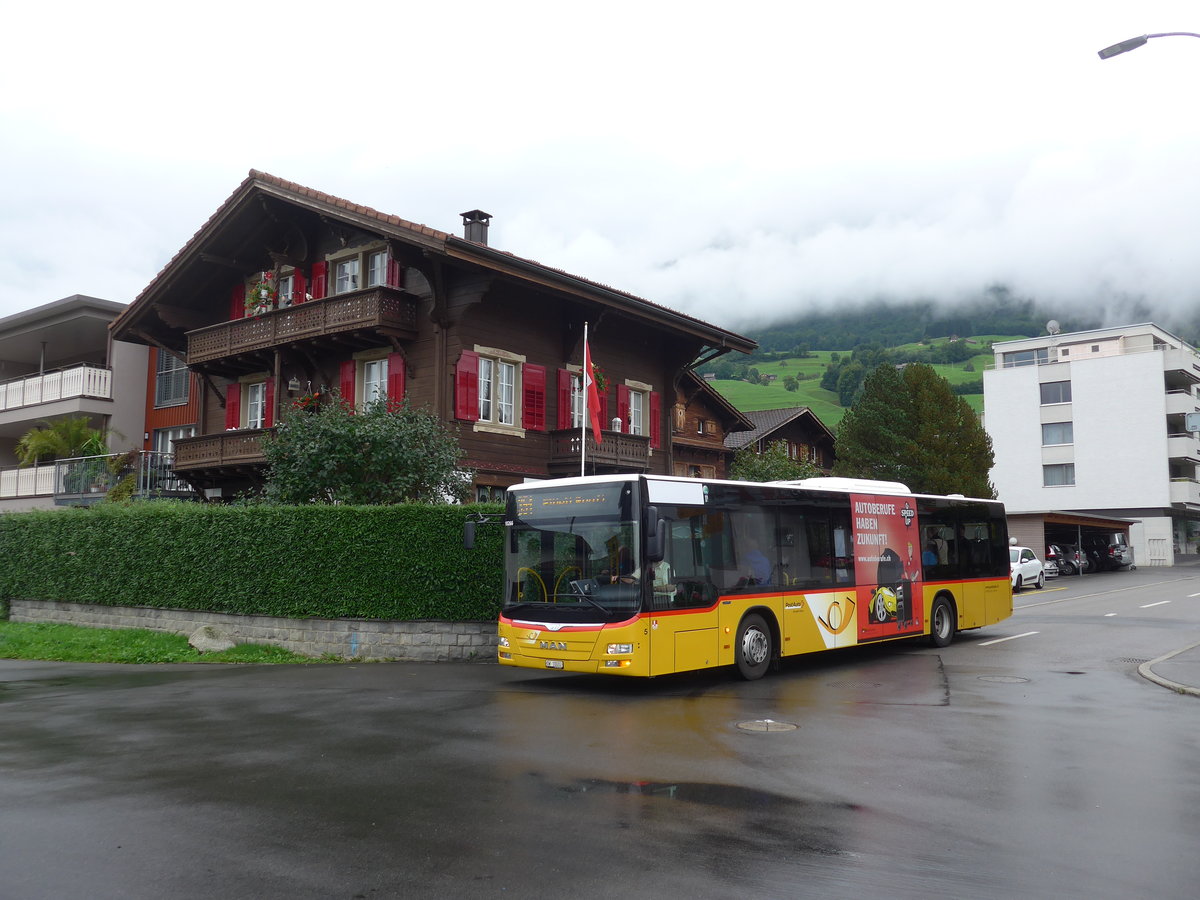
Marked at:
<point>773,464</point>
<point>911,427</point>
<point>60,439</point>
<point>379,454</point>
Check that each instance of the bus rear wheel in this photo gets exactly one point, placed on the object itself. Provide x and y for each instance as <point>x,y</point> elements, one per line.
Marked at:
<point>941,623</point>
<point>753,649</point>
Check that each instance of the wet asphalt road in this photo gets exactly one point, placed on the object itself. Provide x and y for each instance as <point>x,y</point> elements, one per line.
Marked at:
<point>1039,766</point>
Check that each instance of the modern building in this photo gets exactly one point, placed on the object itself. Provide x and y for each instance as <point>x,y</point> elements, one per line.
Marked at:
<point>57,361</point>
<point>287,294</point>
<point>1090,434</point>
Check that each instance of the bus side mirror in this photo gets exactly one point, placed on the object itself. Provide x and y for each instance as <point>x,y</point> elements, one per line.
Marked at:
<point>656,535</point>
<point>469,535</point>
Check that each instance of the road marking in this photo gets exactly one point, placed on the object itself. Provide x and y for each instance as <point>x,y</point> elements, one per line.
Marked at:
<point>1109,615</point>
<point>1148,605</point>
<point>1193,595</point>
<point>1010,638</point>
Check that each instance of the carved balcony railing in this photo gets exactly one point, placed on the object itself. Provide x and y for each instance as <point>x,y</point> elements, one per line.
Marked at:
<point>385,309</point>
<point>226,448</point>
<point>620,452</point>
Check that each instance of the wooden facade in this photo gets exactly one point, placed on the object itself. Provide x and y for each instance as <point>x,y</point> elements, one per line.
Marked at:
<point>287,295</point>
<point>805,436</point>
<point>701,420</point>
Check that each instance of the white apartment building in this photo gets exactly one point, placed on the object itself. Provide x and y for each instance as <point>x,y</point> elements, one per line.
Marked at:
<point>1092,423</point>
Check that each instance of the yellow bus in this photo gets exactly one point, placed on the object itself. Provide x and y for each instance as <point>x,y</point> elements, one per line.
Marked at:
<point>647,575</point>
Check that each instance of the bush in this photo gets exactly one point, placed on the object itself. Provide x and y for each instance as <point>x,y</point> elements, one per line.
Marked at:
<point>375,562</point>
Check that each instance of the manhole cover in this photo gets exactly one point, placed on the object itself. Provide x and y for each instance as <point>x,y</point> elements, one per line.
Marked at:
<point>1004,679</point>
<point>767,725</point>
<point>1130,659</point>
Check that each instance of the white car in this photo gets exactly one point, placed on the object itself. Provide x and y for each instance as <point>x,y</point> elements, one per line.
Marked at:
<point>1026,568</point>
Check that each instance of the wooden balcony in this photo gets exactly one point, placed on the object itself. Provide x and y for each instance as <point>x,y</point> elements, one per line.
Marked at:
<point>374,311</point>
<point>616,453</point>
<point>225,449</point>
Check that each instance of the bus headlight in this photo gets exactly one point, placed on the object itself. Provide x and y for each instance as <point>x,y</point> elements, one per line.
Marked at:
<point>616,649</point>
<point>503,642</point>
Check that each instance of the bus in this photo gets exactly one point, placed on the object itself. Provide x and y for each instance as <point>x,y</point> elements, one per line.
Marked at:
<point>648,575</point>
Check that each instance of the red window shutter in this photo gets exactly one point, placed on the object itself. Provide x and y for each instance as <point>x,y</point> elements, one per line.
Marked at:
<point>655,416</point>
<point>233,406</point>
<point>564,398</point>
<point>395,273</point>
<point>299,287</point>
<point>466,387</point>
<point>237,301</point>
<point>623,406</point>
<point>346,381</point>
<point>317,289</point>
<point>533,402</point>
<point>395,380</point>
<point>269,404</point>
<point>605,421</point>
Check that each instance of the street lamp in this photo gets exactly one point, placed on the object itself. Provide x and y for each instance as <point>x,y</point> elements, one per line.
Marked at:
<point>1134,43</point>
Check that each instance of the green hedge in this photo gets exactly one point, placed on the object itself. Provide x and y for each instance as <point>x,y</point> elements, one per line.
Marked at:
<point>372,562</point>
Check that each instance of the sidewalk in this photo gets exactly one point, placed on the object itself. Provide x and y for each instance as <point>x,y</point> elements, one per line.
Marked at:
<point>1179,670</point>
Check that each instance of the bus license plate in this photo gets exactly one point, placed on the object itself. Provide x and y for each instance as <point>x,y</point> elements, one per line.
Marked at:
<point>554,664</point>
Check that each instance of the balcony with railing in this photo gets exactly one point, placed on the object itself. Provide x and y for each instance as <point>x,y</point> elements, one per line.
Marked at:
<point>617,452</point>
<point>226,448</point>
<point>61,384</point>
<point>84,480</point>
<point>378,309</point>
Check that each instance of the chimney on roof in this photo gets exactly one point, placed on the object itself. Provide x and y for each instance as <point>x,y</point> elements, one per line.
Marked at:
<point>475,225</point>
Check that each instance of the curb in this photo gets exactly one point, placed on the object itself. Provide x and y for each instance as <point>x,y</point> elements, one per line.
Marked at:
<point>1146,670</point>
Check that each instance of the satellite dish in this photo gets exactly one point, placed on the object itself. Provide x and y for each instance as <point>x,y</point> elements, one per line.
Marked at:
<point>1053,327</point>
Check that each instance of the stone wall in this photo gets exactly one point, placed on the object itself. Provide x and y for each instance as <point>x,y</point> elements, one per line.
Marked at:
<point>425,641</point>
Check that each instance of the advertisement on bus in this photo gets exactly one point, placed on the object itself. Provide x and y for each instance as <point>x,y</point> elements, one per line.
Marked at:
<point>887,566</point>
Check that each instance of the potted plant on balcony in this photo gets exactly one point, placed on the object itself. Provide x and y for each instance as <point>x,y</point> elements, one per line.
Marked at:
<point>262,295</point>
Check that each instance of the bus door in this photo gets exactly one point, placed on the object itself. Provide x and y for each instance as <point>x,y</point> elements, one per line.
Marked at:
<point>816,557</point>
<point>683,605</point>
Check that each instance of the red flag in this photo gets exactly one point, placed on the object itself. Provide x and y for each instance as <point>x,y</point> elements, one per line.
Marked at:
<point>590,392</point>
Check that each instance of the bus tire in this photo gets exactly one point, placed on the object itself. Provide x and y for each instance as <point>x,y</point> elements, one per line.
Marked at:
<point>753,650</point>
<point>941,623</point>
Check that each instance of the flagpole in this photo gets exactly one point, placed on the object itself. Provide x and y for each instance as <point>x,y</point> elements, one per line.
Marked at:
<point>583,418</point>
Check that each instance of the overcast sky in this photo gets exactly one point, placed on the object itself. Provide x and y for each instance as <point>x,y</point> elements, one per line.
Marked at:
<point>740,162</point>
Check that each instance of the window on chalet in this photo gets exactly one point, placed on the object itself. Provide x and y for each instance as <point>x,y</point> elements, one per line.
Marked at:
<point>250,402</point>
<point>638,407</point>
<point>371,374</point>
<point>363,268</point>
<point>171,380</point>
<point>499,391</point>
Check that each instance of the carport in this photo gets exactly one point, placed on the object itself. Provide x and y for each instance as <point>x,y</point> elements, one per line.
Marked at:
<point>1038,529</point>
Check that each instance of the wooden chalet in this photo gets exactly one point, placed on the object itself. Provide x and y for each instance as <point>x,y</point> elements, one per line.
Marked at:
<point>807,438</point>
<point>702,420</point>
<point>287,293</point>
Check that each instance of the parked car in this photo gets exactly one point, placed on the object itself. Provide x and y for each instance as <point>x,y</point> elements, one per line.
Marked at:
<point>1050,568</point>
<point>1067,557</point>
<point>1026,568</point>
<point>1109,551</point>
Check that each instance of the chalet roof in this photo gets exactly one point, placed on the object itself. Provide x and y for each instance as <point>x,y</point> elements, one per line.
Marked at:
<point>768,421</point>
<point>716,398</point>
<point>211,243</point>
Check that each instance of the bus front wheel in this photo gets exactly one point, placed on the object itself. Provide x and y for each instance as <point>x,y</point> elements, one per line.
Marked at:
<point>941,623</point>
<point>753,649</point>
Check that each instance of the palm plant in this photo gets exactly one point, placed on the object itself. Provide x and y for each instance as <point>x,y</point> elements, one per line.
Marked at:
<point>61,439</point>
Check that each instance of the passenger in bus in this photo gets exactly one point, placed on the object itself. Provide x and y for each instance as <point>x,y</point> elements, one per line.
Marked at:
<point>759,565</point>
<point>930,555</point>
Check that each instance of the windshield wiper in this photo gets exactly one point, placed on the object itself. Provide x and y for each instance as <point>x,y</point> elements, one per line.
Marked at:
<point>579,587</point>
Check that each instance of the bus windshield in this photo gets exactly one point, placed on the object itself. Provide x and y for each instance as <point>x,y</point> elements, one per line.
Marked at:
<point>574,553</point>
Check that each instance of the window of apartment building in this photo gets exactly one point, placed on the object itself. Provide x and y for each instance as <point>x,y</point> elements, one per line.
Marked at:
<point>171,380</point>
<point>1058,433</point>
<point>1038,357</point>
<point>255,396</point>
<point>1058,475</point>
<point>165,438</point>
<point>1056,392</point>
